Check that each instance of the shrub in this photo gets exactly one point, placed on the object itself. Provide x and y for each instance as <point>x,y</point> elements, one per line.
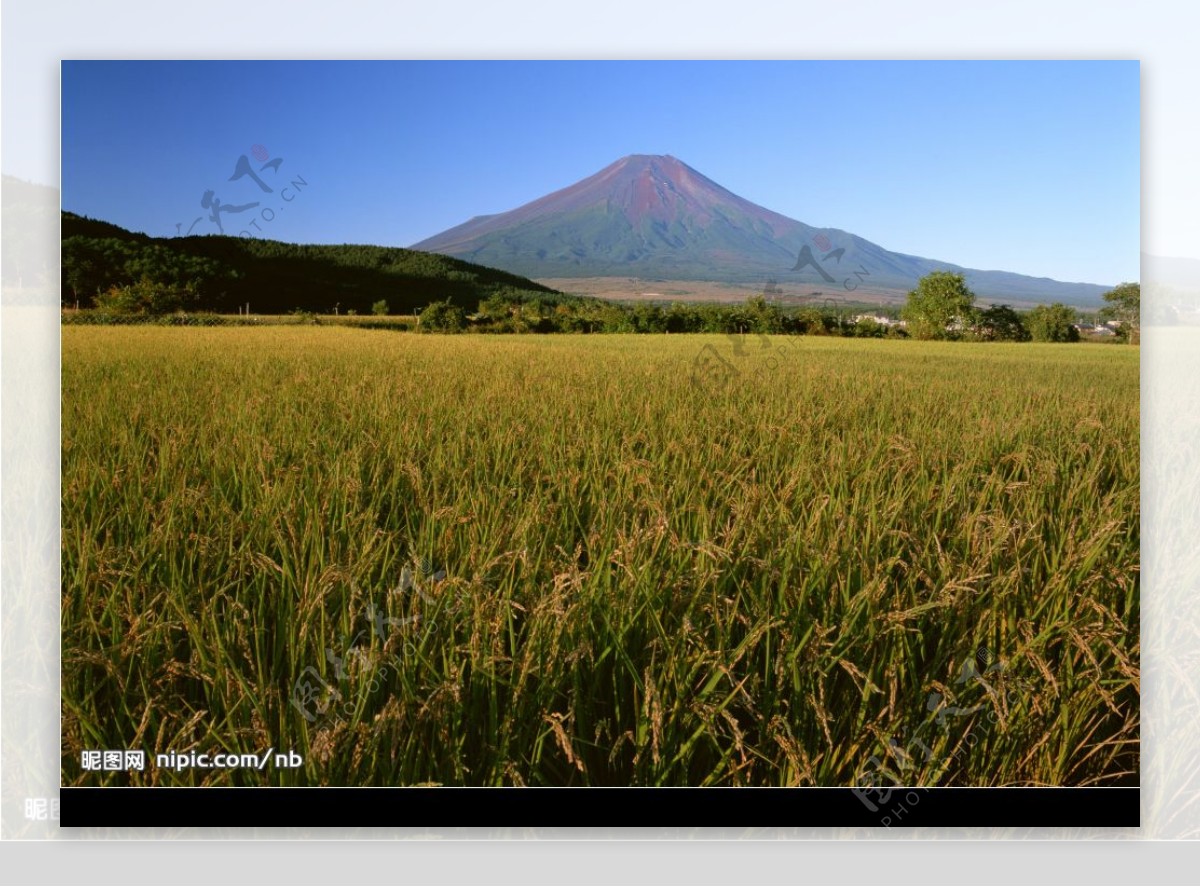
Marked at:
<point>442,317</point>
<point>145,297</point>
<point>1052,323</point>
<point>867,328</point>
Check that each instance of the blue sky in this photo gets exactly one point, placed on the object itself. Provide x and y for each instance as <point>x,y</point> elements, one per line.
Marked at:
<point>1030,167</point>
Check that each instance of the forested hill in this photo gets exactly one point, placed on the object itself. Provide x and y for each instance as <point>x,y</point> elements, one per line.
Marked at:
<point>223,273</point>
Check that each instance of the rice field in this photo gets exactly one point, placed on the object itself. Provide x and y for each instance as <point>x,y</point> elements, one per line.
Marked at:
<point>599,560</point>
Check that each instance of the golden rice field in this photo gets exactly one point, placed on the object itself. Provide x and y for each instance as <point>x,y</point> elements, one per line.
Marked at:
<point>599,560</point>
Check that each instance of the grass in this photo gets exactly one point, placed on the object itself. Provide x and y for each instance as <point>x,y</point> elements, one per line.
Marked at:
<point>571,560</point>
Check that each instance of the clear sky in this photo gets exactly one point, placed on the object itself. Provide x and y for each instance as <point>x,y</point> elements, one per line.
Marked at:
<point>1030,167</point>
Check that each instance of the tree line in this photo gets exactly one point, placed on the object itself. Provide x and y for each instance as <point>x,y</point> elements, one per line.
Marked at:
<point>942,306</point>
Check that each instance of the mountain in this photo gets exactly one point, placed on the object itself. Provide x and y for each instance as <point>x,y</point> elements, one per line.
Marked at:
<point>275,277</point>
<point>654,216</point>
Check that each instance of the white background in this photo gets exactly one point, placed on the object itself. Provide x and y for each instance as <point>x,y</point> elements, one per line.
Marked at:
<point>35,36</point>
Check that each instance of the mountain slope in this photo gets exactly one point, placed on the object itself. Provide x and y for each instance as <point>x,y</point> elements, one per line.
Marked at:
<point>655,216</point>
<point>274,277</point>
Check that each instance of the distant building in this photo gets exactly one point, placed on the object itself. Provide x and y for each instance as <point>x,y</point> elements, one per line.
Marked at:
<point>878,318</point>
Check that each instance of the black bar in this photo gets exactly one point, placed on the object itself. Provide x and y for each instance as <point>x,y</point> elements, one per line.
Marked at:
<point>588,807</point>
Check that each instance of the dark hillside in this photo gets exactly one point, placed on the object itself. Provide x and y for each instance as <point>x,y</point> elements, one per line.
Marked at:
<point>274,277</point>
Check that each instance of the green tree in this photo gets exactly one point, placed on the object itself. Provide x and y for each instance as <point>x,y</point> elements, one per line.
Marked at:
<point>443,317</point>
<point>866,328</point>
<point>762,317</point>
<point>1125,307</point>
<point>1052,323</point>
<point>495,309</point>
<point>648,318</point>
<point>812,322</point>
<point>940,307</point>
<point>615,318</point>
<point>82,269</point>
<point>683,318</point>
<point>1000,323</point>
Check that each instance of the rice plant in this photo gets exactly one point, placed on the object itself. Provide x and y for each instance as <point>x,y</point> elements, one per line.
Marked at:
<point>586,560</point>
